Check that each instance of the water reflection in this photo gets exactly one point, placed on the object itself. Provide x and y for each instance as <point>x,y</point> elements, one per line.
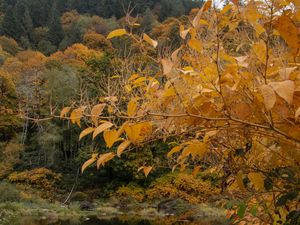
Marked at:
<point>86,221</point>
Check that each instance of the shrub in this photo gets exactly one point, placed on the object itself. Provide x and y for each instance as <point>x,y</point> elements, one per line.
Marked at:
<point>183,186</point>
<point>41,178</point>
<point>9,193</point>
<point>131,191</point>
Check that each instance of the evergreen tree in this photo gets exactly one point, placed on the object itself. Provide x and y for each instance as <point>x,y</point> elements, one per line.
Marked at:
<point>10,25</point>
<point>147,22</point>
<point>55,33</point>
<point>24,20</point>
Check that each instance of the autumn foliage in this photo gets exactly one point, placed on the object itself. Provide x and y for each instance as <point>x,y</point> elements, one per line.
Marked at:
<point>230,95</point>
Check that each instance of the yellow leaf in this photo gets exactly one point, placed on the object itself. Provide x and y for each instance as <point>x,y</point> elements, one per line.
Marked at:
<point>183,32</point>
<point>89,162</point>
<point>284,89</point>
<point>146,170</point>
<point>196,171</point>
<point>102,128</point>
<point>239,180</point>
<point>195,149</point>
<point>209,134</point>
<point>116,33</point>
<point>207,5</point>
<point>86,132</point>
<point>138,132</point>
<point>297,114</point>
<point>150,40</point>
<point>203,22</point>
<point>110,137</point>
<point>76,115</point>
<point>104,158</point>
<point>97,111</point>
<point>169,92</point>
<point>133,77</point>
<point>195,44</point>
<point>289,32</point>
<point>260,50</point>
<point>122,147</point>
<point>64,111</point>
<point>197,18</point>
<point>131,108</point>
<point>269,96</point>
<point>257,179</point>
<point>174,150</point>
<point>167,66</point>
<point>139,80</point>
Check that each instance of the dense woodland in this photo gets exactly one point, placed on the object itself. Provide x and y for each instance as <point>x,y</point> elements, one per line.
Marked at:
<point>48,25</point>
<point>150,100</point>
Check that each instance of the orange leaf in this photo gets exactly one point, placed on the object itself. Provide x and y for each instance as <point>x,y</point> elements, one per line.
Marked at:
<point>64,111</point>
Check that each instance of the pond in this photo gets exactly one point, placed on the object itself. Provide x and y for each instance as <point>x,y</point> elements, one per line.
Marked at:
<point>85,221</point>
<point>94,220</point>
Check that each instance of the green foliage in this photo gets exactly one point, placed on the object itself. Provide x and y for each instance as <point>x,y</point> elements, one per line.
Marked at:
<point>9,193</point>
<point>9,156</point>
<point>9,45</point>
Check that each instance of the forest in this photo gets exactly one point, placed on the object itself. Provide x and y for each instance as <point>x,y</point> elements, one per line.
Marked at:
<point>158,112</point>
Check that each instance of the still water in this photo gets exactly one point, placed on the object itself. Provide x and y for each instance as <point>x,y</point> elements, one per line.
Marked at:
<point>86,221</point>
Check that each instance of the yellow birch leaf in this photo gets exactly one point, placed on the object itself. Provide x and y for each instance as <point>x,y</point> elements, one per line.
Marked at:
<point>209,134</point>
<point>131,108</point>
<point>207,5</point>
<point>110,137</point>
<point>64,111</point>
<point>97,111</point>
<point>150,40</point>
<point>89,162</point>
<point>76,115</point>
<point>195,44</point>
<point>289,32</point>
<point>297,114</point>
<point>269,96</point>
<point>197,18</point>
<point>122,147</point>
<point>174,150</point>
<point>257,179</point>
<point>102,128</point>
<point>167,66</point>
<point>146,170</point>
<point>104,158</point>
<point>260,51</point>
<point>133,77</point>
<point>183,32</point>
<point>239,180</point>
<point>138,132</point>
<point>285,89</point>
<point>86,132</point>
<point>196,171</point>
<point>116,33</point>
<point>169,92</point>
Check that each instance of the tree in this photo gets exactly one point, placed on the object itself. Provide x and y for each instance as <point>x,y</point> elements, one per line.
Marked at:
<point>147,21</point>
<point>236,112</point>
<point>10,25</point>
<point>55,33</point>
